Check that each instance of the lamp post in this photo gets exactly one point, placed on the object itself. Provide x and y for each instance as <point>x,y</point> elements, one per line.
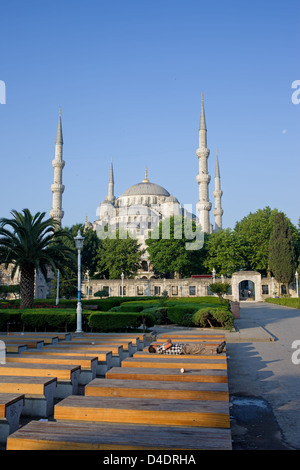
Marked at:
<point>57,288</point>
<point>79,245</point>
<point>122,278</point>
<point>297,285</point>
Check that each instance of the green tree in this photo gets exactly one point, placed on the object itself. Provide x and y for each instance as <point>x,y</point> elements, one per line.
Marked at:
<point>118,255</point>
<point>174,247</point>
<point>282,255</point>
<point>254,232</point>
<point>224,252</point>
<point>30,242</point>
<point>220,289</point>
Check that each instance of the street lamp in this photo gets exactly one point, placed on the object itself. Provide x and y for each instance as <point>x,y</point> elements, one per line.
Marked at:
<point>297,285</point>
<point>122,277</point>
<point>57,288</point>
<point>79,245</point>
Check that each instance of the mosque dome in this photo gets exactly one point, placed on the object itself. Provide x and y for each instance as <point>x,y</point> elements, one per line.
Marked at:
<point>145,188</point>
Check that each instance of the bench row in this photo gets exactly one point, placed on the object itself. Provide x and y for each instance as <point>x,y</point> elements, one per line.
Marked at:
<point>53,371</point>
<point>147,403</point>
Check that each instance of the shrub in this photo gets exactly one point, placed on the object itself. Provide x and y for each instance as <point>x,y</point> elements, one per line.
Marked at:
<point>10,320</point>
<point>114,321</point>
<point>293,302</point>
<point>48,320</point>
<point>177,313</point>
<point>160,314</point>
<point>213,317</point>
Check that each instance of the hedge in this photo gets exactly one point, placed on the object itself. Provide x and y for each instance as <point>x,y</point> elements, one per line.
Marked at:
<point>112,321</point>
<point>10,320</point>
<point>51,321</point>
<point>285,301</point>
<point>177,313</point>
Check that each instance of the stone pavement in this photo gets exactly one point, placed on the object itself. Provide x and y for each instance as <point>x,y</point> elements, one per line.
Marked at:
<point>264,383</point>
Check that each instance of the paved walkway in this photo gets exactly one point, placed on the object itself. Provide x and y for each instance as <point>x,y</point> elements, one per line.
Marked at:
<point>260,368</point>
<point>264,384</point>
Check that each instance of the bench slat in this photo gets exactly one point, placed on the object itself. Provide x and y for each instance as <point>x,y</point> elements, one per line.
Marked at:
<point>65,435</point>
<point>129,373</point>
<point>144,411</point>
<point>157,389</point>
<point>167,363</point>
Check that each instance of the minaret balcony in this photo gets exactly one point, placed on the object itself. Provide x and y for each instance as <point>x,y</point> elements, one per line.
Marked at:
<point>203,206</point>
<point>57,188</point>
<point>204,178</point>
<point>218,212</point>
<point>58,164</point>
<point>217,193</point>
<point>202,152</point>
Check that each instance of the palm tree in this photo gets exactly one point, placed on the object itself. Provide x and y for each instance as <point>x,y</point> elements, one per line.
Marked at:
<point>31,243</point>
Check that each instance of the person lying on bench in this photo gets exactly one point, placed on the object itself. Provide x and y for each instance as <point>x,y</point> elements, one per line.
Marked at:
<point>192,348</point>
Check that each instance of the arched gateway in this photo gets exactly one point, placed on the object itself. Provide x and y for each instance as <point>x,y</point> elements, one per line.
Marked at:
<point>241,276</point>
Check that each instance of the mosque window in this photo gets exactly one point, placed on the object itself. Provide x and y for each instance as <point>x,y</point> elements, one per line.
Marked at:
<point>156,290</point>
<point>265,289</point>
<point>192,290</point>
<point>174,290</point>
<point>124,290</point>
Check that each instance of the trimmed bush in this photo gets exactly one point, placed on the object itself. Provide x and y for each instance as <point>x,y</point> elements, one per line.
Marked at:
<point>115,321</point>
<point>285,301</point>
<point>42,320</point>
<point>176,314</point>
<point>10,320</point>
<point>213,317</point>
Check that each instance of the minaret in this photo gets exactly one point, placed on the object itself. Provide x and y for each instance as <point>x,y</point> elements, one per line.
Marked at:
<point>111,185</point>
<point>203,178</point>
<point>58,164</point>
<point>218,212</point>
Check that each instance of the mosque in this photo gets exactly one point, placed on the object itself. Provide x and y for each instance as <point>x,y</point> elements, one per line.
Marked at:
<point>142,206</point>
<point>139,209</point>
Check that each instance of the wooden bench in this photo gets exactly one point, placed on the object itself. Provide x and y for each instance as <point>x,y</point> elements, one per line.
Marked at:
<point>46,339</point>
<point>39,393</point>
<point>66,435</point>
<point>184,362</point>
<point>11,405</point>
<point>88,364</point>
<point>104,358</point>
<point>144,411</point>
<point>173,375</point>
<point>117,351</point>
<point>187,336</point>
<point>137,339</point>
<point>144,354</point>
<point>15,347</point>
<point>205,340</point>
<point>157,389</point>
<point>128,347</point>
<point>30,343</point>
<point>67,375</point>
<point>39,334</point>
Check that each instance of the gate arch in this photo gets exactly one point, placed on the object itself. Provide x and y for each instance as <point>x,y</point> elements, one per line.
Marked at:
<point>241,276</point>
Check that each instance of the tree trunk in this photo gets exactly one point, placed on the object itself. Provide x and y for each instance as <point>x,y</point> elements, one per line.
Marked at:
<point>27,286</point>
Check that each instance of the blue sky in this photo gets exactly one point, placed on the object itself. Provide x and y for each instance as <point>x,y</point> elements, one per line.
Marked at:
<point>128,76</point>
